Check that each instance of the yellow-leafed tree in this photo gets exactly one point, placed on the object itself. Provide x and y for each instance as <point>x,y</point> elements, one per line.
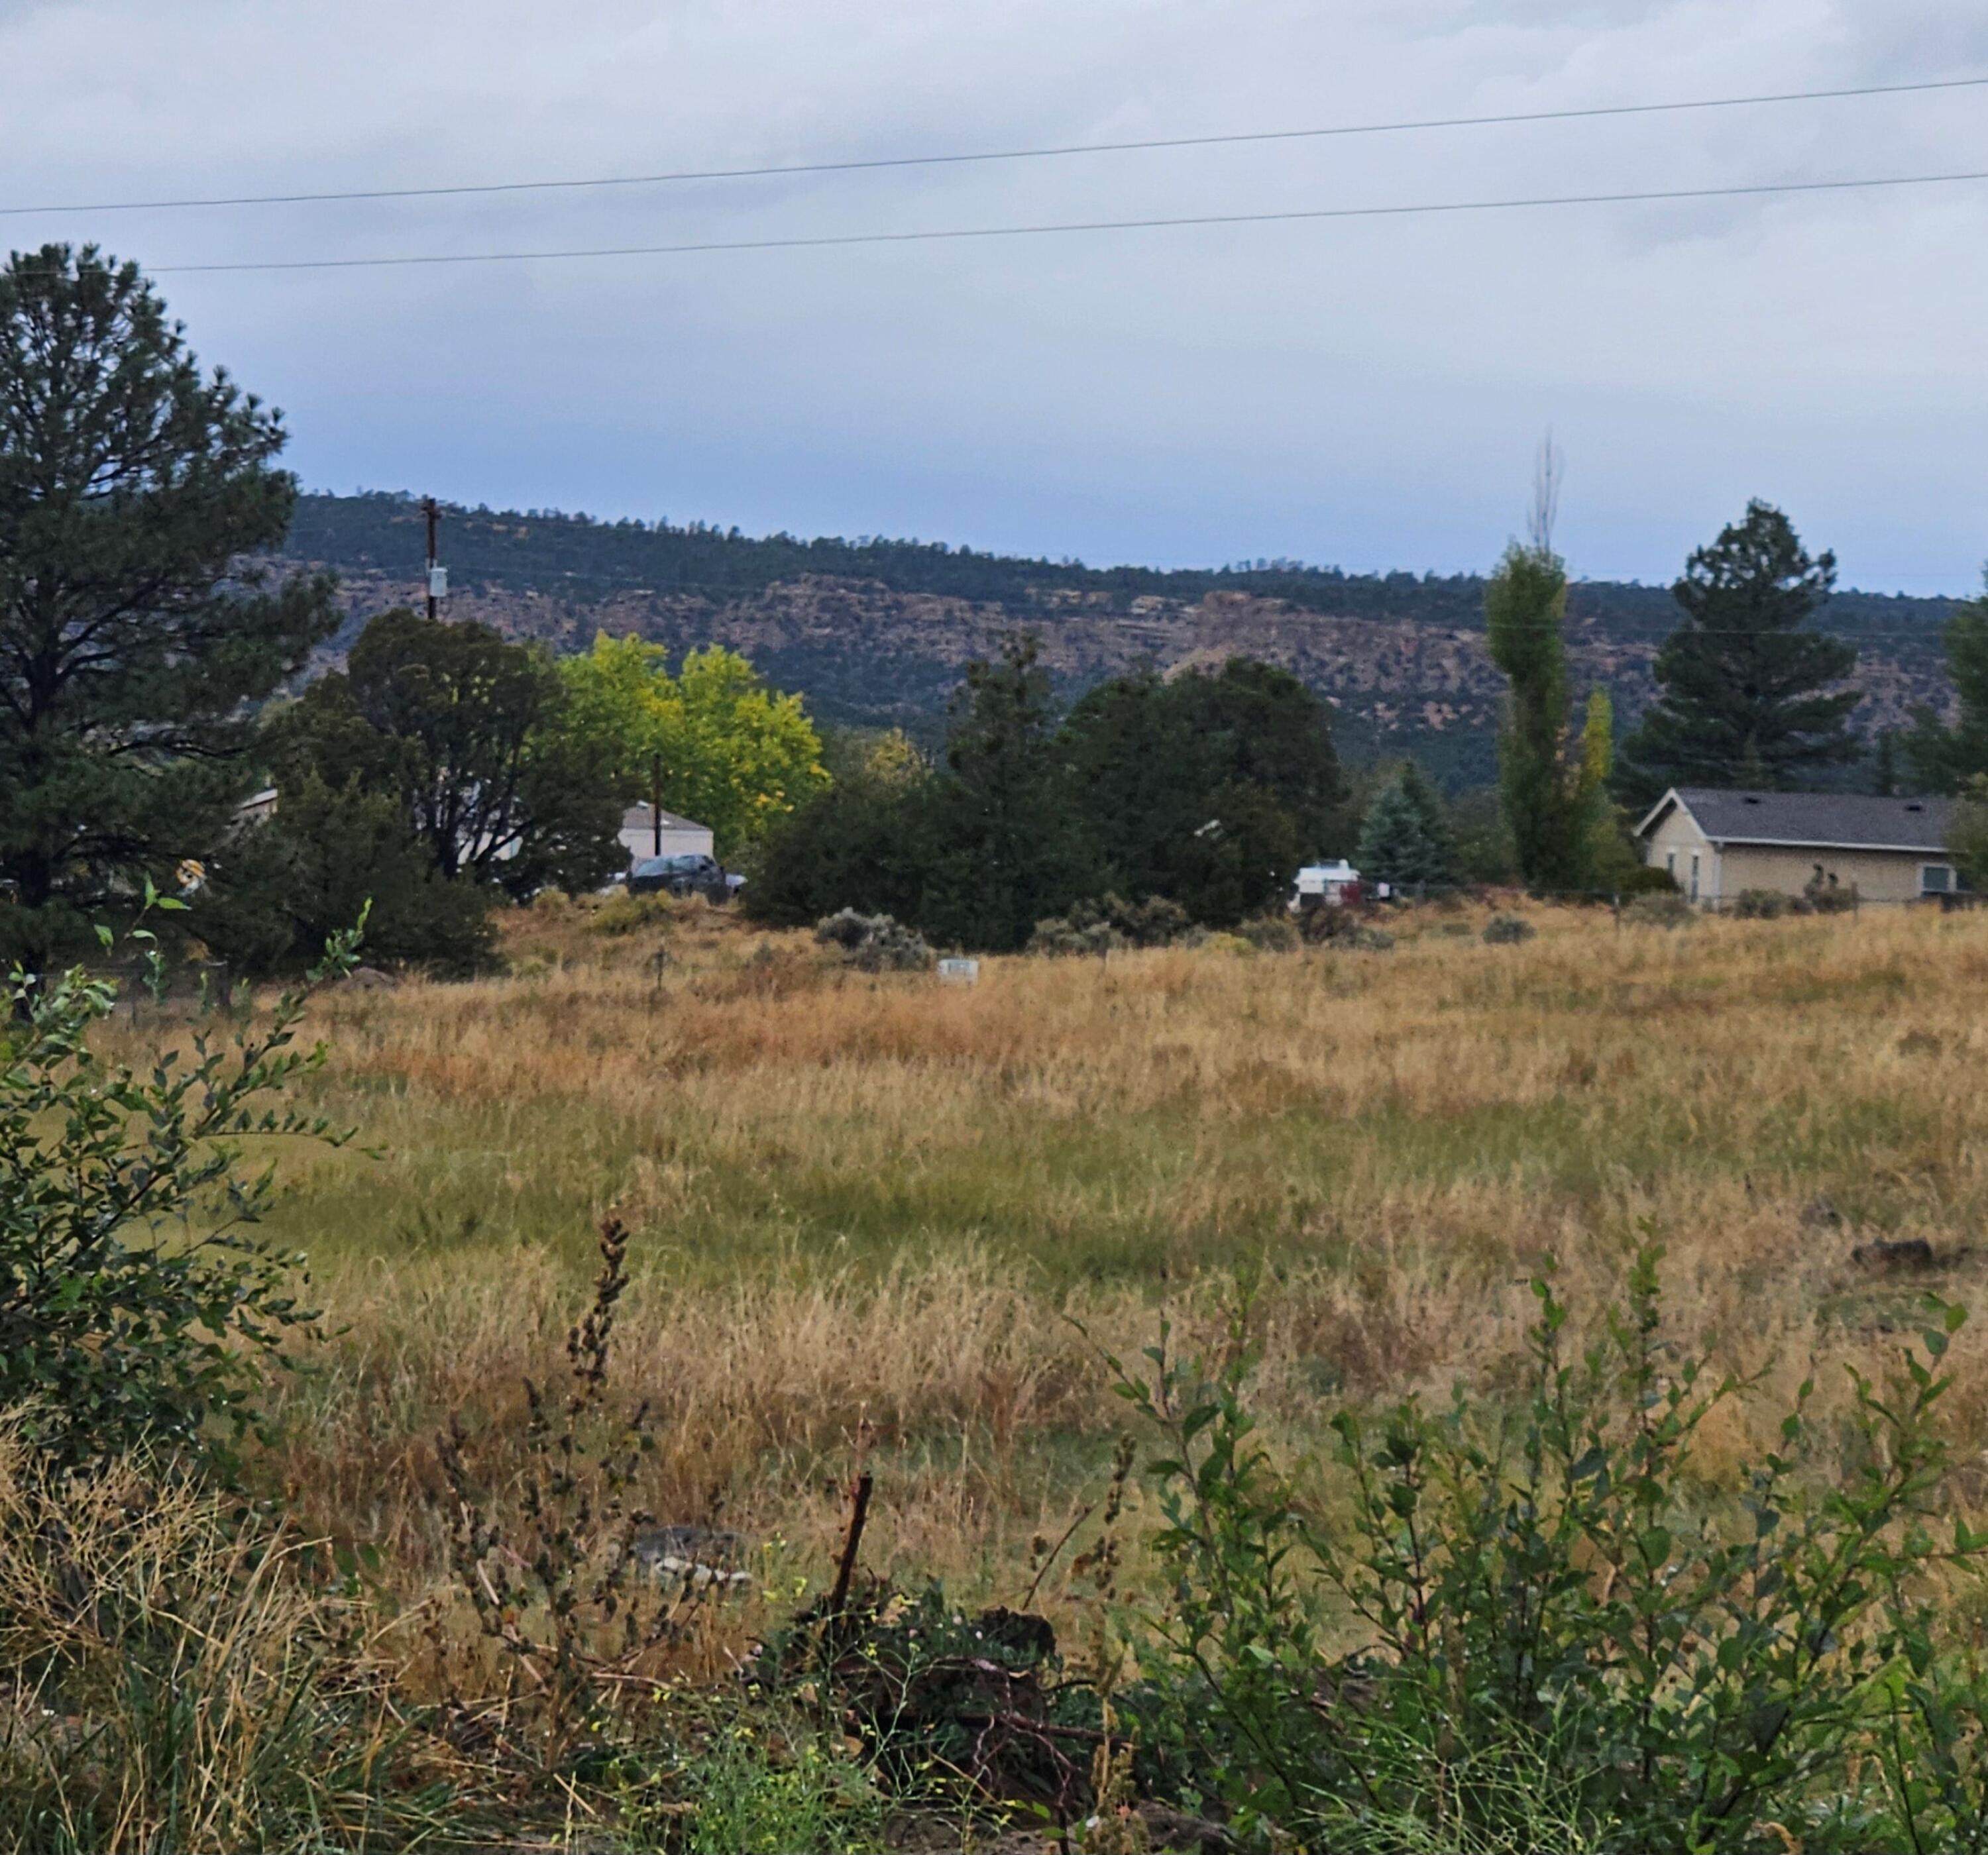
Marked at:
<point>712,742</point>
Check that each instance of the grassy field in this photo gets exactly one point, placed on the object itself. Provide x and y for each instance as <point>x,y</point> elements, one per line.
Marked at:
<point>871,1215</point>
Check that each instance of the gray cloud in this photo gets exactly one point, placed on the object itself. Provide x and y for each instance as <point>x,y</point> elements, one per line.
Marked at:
<point>1367,393</point>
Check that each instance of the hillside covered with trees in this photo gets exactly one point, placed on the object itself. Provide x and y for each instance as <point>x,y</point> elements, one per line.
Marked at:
<point>877,632</point>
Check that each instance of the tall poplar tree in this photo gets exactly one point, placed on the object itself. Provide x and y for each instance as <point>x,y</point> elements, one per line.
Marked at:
<point>1549,803</point>
<point>135,636</point>
<point>1747,697</point>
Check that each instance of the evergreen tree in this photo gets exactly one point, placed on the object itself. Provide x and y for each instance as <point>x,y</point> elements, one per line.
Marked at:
<point>1945,759</point>
<point>1434,816</point>
<point>133,642</point>
<point>1405,838</point>
<point>1206,789</point>
<point>1746,697</point>
<point>1967,836</point>
<point>1266,729</point>
<point>281,887</point>
<point>1010,855</point>
<point>1885,771</point>
<point>465,730</point>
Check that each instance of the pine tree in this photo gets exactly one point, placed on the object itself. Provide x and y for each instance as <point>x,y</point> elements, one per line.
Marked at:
<point>1885,773</point>
<point>1747,697</point>
<point>1011,855</point>
<point>133,640</point>
<point>1946,759</point>
<point>1435,816</point>
<point>1404,838</point>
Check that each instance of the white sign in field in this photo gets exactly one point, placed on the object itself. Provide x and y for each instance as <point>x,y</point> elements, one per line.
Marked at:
<point>959,972</point>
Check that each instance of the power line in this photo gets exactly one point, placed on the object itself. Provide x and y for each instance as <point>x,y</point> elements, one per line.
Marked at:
<point>820,242</point>
<point>795,168</point>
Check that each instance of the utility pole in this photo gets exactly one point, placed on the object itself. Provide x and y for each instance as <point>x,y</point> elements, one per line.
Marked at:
<point>438,573</point>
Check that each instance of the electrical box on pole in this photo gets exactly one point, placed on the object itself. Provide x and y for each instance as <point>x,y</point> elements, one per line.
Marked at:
<point>438,573</point>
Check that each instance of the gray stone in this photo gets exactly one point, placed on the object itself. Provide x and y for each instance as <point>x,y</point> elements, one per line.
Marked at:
<point>698,1556</point>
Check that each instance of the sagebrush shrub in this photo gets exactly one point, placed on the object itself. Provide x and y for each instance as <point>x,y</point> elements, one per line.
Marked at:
<point>874,943</point>
<point>1272,934</point>
<point>1108,923</point>
<point>1663,910</point>
<point>1066,937</point>
<point>1759,905</point>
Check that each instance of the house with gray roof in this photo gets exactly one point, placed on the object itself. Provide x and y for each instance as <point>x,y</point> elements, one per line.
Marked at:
<point>1716,842</point>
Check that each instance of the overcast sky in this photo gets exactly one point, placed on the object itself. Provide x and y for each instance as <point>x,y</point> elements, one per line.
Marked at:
<point>1367,393</point>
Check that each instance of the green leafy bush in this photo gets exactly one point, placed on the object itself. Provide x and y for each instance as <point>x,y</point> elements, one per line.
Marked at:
<point>1562,1623</point>
<point>135,1308</point>
<point>1648,878</point>
<point>796,1791</point>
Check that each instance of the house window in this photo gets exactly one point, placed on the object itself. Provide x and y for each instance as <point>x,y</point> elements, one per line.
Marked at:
<point>1694,876</point>
<point>1935,879</point>
<point>1670,864</point>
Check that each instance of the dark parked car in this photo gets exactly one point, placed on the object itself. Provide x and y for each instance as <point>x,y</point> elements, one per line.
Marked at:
<point>690,874</point>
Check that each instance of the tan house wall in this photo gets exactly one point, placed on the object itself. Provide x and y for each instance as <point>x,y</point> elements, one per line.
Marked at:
<point>1880,876</point>
<point>1672,845</point>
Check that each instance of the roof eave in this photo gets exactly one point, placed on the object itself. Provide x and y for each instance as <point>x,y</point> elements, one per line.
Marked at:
<point>1828,843</point>
<point>1656,811</point>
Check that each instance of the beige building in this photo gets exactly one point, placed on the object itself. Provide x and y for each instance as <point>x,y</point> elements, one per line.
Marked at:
<point>649,833</point>
<point>1716,843</point>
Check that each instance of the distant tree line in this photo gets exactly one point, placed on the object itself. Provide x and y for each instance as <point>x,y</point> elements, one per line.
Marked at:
<point>1207,788</point>
<point>584,559</point>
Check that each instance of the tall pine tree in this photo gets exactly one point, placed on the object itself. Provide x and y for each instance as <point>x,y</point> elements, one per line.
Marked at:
<point>1010,852</point>
<point>1747,696</point>
<point>134,637</point>
<point>1946,759</point>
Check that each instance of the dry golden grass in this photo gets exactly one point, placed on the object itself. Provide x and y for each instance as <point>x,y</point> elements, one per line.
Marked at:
<point>867,1211</point>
